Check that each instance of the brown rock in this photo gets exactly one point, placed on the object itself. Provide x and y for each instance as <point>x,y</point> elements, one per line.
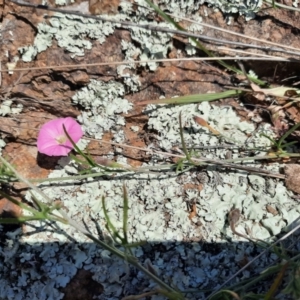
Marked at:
<point>292,180</point>
<point>24,160</point>
<point>97,7</point>
<point>8,209</point>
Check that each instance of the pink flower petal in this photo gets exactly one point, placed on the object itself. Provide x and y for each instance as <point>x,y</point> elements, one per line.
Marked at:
<point>49,133</point>
<point>73,128</point>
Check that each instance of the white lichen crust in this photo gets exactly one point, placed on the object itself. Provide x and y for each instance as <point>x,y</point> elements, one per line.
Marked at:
<point>103,105</point>
<point>190,252</point>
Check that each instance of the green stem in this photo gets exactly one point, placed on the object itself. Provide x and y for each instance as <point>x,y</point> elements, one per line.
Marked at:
<point>132,260</point>
<point>18,203</point>
<point>186,152</point>
<point>204,161</point>
<point>67,220</point>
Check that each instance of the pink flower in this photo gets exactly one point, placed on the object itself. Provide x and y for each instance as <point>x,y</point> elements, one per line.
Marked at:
<point>52,139</point>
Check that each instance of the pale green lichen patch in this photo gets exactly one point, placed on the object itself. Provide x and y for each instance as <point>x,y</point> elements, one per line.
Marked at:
<point>243,7</point>
<point>154,45</point>
<point>64,2</point>
<point>158,203</point>
<point>71,32</point>
<point>158,213</point>
<point>103,105</point>
<point>7,107</point>
<point>165,121</point>
<point>249,193</point>
<point>184,8</point>
<point>2,145</point>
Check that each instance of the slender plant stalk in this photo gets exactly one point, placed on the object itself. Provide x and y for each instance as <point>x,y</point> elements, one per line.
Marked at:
<point>132,260</point>
<point>186,152</point>
<point>226,163</point>
<point>115,63</point>
<point>254,259</point>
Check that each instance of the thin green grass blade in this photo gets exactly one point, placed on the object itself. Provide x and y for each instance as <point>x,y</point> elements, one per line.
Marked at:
<point>135,244</point>
<point>293,285</point>
<point>18,203</point>
<point>6,175</point>
<point>225,295</point>
<point>110,226</point>
<point>270,139</point>
<point>285,145</point>
<point>125,214</point>
<point>184,148</point>
<point>18,220</point>
<point>39,205</point>
<point>291,130</point>
<point>78,160</point>
<point>171,295</point>
<point>277,282</point>
<point>86,157</point>
<point>196,98</point>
